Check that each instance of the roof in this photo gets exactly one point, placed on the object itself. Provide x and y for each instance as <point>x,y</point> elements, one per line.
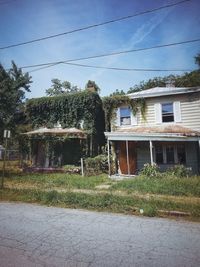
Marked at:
<point>162,91</point>
<point>167,133</point>
<point>73,132</point>
<point>170,129</point>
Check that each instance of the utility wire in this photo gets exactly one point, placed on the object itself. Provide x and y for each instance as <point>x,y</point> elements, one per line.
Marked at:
<point>50,64</point>
<point>94,25</point>
<point>124,69</point>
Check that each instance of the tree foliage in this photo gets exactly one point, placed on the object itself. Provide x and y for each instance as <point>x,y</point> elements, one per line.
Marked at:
<point>60,88</point>
<point>118,92</point>
<point>13,85</point>
<point>188,79</point>
<point>92,86</point>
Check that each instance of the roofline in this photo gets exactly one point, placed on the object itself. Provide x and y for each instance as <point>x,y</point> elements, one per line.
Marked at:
<point>176,91</point>
<point>116,136</point>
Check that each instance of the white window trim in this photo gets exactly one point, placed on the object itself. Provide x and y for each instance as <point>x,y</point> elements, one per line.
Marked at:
<point>176,112</point>
<point>133,119</point>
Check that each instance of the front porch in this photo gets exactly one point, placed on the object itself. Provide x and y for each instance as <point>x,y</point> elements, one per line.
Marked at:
<point>130,151</point>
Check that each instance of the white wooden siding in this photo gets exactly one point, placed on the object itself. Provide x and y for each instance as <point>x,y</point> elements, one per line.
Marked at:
<point>189,111</point>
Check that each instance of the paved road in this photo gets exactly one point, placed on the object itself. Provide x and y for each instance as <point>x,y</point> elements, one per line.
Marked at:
<point>32,235</point>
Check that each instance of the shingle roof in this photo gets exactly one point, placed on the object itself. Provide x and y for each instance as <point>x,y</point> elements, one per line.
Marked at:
<point>170,129</point>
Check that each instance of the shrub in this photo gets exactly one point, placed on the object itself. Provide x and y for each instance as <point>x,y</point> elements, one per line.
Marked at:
<point>179,171</point>
<point>150,170</point>
<point>96,165</point>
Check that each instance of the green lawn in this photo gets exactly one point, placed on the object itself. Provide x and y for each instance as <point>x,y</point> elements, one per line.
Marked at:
<point>61,180</point>
<point>162,185</point>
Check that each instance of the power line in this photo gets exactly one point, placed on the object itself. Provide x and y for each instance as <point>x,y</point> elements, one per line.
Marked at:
<point>94,25</point>
<point>50,64</point>
<point>124,69</point>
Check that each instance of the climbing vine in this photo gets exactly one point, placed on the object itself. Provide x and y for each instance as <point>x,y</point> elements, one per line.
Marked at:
<point>72,110</point>
<point>113,102</point>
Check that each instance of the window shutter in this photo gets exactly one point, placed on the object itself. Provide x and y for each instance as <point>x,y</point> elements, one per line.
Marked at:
<point>118,117</point>
<point>158,115</point>
<point>133,119</point>
<point>177,111</point>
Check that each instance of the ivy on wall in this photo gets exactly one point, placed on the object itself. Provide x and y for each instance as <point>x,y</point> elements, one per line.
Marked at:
<point>113,102</point>
<point>71,111</point>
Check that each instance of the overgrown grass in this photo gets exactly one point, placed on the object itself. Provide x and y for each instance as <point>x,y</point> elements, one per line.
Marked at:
<point>102,202</point>
<point>62,180</point>
<point>161,185</point>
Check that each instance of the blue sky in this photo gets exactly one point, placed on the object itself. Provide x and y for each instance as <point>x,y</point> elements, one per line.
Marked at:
<point>23,20</point>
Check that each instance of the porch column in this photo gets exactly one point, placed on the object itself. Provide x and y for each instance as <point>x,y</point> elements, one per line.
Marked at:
<point>47,154</point>
<point>127,157</point>
<point>151,152</point>
<point>109,169</point>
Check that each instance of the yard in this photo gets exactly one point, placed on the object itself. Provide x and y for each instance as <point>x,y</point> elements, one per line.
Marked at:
<point>153,196</point>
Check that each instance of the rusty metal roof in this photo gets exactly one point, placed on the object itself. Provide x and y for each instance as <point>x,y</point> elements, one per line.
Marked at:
<point>76,133</point>
<point>170,129</point>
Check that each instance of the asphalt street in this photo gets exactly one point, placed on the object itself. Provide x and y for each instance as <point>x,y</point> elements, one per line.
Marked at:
<point>33,235</point>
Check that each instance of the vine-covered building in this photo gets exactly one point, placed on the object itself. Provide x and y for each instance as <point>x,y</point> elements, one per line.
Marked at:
<point>164,130</point>
<point>79,133</point>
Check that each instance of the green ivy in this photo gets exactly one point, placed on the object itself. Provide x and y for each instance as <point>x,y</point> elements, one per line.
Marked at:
<point>113,102</point>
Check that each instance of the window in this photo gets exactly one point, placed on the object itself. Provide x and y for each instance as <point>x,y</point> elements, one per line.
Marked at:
<point>125,116</point>
<point>159,154</point>
<point>167,112</point>
<point>181,154</point>
<point>170,154</point>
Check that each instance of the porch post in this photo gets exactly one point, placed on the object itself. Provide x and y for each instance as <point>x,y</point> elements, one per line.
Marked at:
<point>151,152</point>
<point>109,169</point>
<point>127,157</point>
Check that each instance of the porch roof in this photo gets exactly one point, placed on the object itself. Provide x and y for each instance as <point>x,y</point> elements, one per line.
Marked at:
<point>167,133</point>
<point>71,132</point>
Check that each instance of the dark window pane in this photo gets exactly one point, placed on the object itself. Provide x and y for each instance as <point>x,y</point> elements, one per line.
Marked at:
<point>181,154</point>
<point>167,112</point>
<point>170,154</point>
<point>159,154</point>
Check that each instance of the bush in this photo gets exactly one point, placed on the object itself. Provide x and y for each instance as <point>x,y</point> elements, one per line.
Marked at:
<point>96,165</point>
<point>150,170</point>
<point>179,171</point>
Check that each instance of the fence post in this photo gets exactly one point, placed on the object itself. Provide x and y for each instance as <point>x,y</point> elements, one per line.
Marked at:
<point>82,171</point>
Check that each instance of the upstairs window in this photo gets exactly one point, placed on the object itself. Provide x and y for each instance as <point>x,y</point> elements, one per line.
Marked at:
<point>125,116</point>
<point>167,112</point>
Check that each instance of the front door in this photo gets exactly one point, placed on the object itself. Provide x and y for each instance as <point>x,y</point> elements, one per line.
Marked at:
<point>127,166</point>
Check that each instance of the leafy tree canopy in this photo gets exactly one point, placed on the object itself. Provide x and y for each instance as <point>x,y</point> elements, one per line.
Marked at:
<point>59,88</point>
<point>92,86</point>
<point>118,92</point>
<point>13,85</point>
<point>188,79</point>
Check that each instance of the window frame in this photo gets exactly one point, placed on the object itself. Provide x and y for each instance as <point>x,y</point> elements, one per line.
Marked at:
<point>124,117</point>
<point>175,154</point>
<point>166,115</point>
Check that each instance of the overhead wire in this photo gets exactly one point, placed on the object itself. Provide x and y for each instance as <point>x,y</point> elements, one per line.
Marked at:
<point>94,25</point>
<point>51,64</point>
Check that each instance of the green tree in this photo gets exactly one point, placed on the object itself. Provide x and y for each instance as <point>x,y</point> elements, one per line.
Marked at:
<point>197,60</point>
<point>59,88</point>
<point>188,79</point>
<point>118,92</point>
<point>13,85</point>
<point>92,86</point>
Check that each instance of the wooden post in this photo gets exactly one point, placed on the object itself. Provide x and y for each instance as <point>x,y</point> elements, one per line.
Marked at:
<point>4,164</point>
<point>82,171</point>
<point>127,157</point>
<point>151,152</point>
<point>109,168</point>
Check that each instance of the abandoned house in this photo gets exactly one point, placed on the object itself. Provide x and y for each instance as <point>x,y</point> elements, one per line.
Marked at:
<point>167,134</point>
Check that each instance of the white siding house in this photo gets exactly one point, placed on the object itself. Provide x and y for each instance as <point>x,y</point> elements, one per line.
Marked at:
<point>168,135</point>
